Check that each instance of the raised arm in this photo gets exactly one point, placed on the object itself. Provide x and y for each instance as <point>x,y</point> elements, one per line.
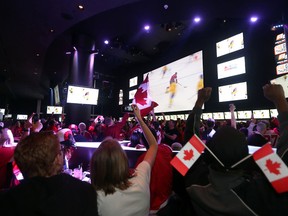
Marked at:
<point>233,119</point>
<point>275,93</point>
<point>193,120</point>
<point>153,146</point>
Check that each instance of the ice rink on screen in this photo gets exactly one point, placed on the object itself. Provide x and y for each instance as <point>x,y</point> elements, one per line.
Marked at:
<point>189,69</point>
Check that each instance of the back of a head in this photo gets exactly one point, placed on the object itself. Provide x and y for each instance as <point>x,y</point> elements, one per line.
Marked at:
<point>109,167</point>
<point>143,139</point>
<point>210,123</point>
<point>35,155</point>
<point>261,127</point>
<point>229,145</point>
<point>82,126</point>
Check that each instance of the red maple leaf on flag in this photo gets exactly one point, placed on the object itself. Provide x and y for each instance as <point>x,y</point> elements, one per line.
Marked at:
<point>140,96</point>
<point>273,167</point>
<point>188,154</point>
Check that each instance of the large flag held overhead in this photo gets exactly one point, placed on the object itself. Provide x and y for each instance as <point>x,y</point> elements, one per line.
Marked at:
<point>143,99</point>
<point>273,167</point>
<point>188,155</point>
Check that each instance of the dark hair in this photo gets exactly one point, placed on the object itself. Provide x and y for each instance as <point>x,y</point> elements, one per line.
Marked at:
<point>135,138</point>
<point>229,145</point>
<point>144,141</point>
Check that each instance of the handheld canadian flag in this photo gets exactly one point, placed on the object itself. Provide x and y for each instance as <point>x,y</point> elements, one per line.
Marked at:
<point>142,98</point>
<point>188,155</point>
<point>273,167</point>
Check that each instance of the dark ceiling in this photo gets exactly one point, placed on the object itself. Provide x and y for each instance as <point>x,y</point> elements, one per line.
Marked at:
<point>35,35</point>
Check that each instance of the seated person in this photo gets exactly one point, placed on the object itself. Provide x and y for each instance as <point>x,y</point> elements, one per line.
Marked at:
<point>44,189</point>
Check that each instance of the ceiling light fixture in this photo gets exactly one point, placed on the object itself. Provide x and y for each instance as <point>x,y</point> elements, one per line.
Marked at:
<point>253,19</point>
<point>147,27</point>
<point>81,7</point>
<point>197,19</point>
<point>106,42</point>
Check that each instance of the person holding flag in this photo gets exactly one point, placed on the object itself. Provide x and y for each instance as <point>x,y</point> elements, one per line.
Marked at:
<point>143,99</point>
<point>231,188</point>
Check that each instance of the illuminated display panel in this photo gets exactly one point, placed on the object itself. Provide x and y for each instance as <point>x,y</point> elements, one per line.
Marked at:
<point>231,68</point>
<point>273,113</point>
<point>230,45</point>
<point>282,80</point>
<point>2,111</point>
<point>233,92</point>
<point>132,94</point>
<point>261,114</point>
<point>133,81</point>
<point>82,95</point>
<point>280,52</point>
<point>21,117</point>
<point>54,109</point>
<point>56,95</point>
<point>206,116</point>
<point>218,115</point>
<point>244,114</point>
<point>180,95</point>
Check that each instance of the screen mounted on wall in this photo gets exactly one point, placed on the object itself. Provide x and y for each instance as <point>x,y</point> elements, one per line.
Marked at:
<point>231,68</point>
<point>174,86</point>
<point>261,114</point>
<point>280,51</point>
<point>56,95</point>
<point>233,92</point>
<point>230,45</point>
<point>133,81</point>
<point>54,109</point>
<point>244,114</point>
<point>282,80</point>
<point>82,95</point>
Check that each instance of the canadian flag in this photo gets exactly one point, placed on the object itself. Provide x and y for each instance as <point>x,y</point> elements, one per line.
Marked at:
<point>273,167</point>
<point>142,98</point>
<point>188,155</point>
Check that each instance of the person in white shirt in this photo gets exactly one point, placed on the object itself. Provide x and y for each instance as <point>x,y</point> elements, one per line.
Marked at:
<point>119,192</point>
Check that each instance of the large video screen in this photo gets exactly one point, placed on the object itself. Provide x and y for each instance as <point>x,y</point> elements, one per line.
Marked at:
<point>231,68</point>
<point>230,45</point>
<point>54,110</point>
<point>82,95</point>
<point>174,86</point>
<point>233,92</point>
<point>282,80</point>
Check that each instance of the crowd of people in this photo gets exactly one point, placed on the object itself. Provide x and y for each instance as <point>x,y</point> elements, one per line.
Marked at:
<point>153,186</point>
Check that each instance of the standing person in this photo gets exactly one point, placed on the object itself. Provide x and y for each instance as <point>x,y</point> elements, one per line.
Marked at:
<point>45,190</point>
<point>245,192</point>
<point>171,133</point>
<point>172,88</point>
<point>119,192</point>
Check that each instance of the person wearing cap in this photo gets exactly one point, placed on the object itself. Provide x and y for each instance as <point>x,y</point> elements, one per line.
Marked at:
<point>45,190</point>
<point>67,141</point>
<point>233,190</point>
